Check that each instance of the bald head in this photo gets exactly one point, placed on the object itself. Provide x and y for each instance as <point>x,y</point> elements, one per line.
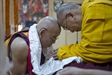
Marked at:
<point>49,23</point>
<point>48,30</point>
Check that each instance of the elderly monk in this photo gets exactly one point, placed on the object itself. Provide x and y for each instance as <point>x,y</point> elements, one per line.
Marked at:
<point>21,50</point>
<point>95,47</point>
<point>96,28</point>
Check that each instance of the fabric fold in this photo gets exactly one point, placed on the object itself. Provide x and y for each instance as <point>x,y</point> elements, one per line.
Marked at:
<point>51,65</point>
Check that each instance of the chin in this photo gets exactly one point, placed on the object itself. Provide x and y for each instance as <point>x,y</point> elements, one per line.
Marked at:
<point>46,46</point>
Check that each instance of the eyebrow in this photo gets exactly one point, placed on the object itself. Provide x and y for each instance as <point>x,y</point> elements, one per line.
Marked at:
<point>52,35</point>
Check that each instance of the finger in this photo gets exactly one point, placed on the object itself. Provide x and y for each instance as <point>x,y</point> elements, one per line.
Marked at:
<point>56,58</point>
<point>54,55</point>
<point>54,52</point>
<point>50,52</point>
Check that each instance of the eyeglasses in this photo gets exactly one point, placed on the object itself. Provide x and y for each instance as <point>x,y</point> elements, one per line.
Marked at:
<point>65,27</point>
<point>53,37</point>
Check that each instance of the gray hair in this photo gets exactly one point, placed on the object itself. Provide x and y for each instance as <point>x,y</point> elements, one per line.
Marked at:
<point>66,7</point>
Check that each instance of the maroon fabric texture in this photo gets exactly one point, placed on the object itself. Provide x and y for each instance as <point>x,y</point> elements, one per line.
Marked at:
<point>105,66</point>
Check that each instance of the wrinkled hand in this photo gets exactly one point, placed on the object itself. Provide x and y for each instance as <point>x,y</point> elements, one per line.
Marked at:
<point>51,53</point>
<point>70,71</point>
<point>54,54</point>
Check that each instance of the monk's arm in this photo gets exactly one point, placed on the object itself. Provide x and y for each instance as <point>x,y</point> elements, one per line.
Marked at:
<point>19,52</point>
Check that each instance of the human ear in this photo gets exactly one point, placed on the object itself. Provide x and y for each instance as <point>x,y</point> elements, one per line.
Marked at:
<point>71,14</point>
<point>41,32</point>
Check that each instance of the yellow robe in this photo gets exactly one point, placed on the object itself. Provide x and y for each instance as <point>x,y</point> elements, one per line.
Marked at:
<point>96,40</point>
<point>9,39</point>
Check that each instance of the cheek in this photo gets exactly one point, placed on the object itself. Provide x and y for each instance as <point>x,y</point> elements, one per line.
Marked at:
<point>47,42</point>
<point>70,25</point>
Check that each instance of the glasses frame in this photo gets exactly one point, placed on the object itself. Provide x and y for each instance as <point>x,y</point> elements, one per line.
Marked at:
<point>53,38</point>
<point>65,27</point>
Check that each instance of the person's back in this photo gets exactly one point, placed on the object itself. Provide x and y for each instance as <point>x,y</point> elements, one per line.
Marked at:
<point>96,43</point>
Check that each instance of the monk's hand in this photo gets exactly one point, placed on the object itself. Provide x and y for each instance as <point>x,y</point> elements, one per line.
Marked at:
<point>51,53</point>
<point>54,54</point>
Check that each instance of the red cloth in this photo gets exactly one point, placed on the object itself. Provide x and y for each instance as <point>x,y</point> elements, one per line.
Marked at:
<point>105,66</point>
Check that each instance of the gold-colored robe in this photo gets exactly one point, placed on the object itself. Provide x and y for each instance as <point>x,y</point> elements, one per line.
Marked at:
<point>96,33</point>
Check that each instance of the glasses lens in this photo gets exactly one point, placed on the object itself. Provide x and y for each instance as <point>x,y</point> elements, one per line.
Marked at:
<point>53,38</point>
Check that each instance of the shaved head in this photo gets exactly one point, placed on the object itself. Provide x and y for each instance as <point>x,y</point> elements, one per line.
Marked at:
<point>48,30</point>
<point>48,23</point>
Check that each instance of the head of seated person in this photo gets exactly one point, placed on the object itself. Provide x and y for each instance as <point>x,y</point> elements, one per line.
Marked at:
<point>48,31</point>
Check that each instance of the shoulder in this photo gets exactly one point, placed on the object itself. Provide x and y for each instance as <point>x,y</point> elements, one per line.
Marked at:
<point>19,48</point>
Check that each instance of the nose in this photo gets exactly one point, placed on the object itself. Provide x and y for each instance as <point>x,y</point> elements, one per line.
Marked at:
<point>72,31</point>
